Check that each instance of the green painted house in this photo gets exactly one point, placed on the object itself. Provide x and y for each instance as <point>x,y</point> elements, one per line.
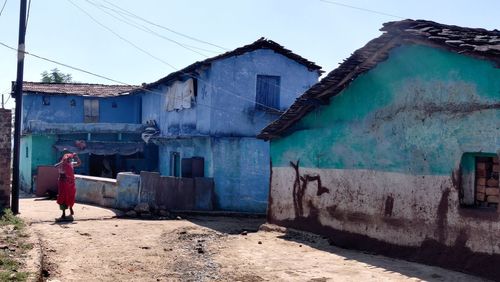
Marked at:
<point>396,151</point>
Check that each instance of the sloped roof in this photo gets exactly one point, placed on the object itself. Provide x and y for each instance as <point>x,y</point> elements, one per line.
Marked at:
<point>475,42</point>
<point>77,89</point>
<point>262,43</point>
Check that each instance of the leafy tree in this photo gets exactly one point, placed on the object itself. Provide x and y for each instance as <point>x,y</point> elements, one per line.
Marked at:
<point>56,76</point>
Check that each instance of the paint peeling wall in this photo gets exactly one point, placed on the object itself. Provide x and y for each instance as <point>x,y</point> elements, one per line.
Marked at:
<point>379,167</point>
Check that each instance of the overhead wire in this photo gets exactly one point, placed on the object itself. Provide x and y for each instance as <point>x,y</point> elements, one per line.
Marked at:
<point>3,7</point>
<point>105,77</point>
<point>27,16</point>
<point>119,36</point>
<point>150,31</point>
<point>64,65</point>
<point>131,21</point>
<point>164,27</point>
<point>166,63</point>
<point>145,29</point>
<point>362,9</point>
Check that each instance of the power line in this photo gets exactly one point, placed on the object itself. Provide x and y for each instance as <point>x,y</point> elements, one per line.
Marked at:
<point>3,7</point>
<point>145,29</point>
<point>28,16</point>
<point>121,37</point>
<point>362,9</point>
<point>107,78</point>
<point>65,65</point>
<point>166,63</point>
<point>164,27</point>
<point>130,21</point>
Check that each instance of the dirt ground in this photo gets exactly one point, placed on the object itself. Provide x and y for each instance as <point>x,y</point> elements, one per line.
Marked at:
<point>100,245</point>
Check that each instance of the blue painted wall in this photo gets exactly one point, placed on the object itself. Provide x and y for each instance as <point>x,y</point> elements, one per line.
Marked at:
<point>225,114</point>
<point>238,75</point>
<point>114,112</point>
<point>60,110</point>
<point>239,167</point>
<point>226,92</point>
<point>241,174</point>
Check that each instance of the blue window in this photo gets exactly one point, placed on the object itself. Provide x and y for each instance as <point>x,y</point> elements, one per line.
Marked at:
<point>268,92</point>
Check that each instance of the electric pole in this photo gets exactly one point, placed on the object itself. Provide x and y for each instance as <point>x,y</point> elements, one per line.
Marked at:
<point>18,95</point>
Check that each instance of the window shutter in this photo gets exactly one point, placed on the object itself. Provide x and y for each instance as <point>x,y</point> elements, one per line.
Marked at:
<point>91,110</point>
<point>268,92</point>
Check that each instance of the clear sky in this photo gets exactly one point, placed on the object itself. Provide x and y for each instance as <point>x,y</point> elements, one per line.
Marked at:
<point>325,33</point>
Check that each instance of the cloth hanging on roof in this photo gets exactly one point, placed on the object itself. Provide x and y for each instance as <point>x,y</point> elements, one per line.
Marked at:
<point>151,131</point>
<point>180,95</point>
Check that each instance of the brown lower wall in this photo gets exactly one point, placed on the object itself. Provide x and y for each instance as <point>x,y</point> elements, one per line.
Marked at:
<point>457,257</point>
<point>417,218</point>
<point>5,157</point>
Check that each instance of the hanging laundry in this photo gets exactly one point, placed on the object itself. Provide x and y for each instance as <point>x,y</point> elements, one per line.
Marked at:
<point>180,95</point>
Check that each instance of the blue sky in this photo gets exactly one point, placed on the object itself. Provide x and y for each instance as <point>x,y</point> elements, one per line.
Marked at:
<point>322,32</point>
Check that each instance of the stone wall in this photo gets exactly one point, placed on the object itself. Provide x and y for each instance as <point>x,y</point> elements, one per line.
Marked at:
<point>5,156</point>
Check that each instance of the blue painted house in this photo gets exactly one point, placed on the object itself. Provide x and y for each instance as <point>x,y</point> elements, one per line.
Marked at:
<point>101,122</point>
<point>209,113</point>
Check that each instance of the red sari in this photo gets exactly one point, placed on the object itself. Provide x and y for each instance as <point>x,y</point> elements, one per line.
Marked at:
<point>66,184</point>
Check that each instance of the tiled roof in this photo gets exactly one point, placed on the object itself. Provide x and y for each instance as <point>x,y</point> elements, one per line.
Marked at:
<point>78,89</point>
<point>475,42</point>
<point>262,43</point>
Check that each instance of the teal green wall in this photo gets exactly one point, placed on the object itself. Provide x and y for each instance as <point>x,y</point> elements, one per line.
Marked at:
<point>417,112</point>
<point>35,151</point>
<point>25,163</point>
<point>43,152</point>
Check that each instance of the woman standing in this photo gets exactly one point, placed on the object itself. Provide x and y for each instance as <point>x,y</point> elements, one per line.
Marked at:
<point>66,183</point>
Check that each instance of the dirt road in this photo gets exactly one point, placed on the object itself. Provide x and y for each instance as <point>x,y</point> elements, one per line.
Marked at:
<point>97,246</point>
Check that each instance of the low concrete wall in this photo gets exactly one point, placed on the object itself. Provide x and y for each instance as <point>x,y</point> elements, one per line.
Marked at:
<point>177,193</point>
<point>96,190</point>
<point>129,189</point>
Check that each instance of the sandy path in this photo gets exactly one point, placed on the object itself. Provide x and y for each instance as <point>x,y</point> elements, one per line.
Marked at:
<point>98,247</point>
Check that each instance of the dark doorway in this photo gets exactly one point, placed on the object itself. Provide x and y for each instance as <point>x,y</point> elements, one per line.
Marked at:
<point>102,166</point>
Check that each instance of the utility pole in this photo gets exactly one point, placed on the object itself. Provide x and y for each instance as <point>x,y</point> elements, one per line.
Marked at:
<point>18,95</point>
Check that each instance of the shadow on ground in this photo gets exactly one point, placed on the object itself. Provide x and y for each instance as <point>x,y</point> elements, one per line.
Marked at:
<point>411,269</point>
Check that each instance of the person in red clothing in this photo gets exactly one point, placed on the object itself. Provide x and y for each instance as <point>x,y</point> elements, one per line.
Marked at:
<point>66,184</point>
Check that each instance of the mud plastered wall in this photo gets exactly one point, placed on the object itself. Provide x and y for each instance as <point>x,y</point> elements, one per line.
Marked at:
<point>5,157</point>
<point>379,167</point>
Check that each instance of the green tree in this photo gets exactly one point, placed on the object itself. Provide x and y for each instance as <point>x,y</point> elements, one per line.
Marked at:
<point>56,76</point>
